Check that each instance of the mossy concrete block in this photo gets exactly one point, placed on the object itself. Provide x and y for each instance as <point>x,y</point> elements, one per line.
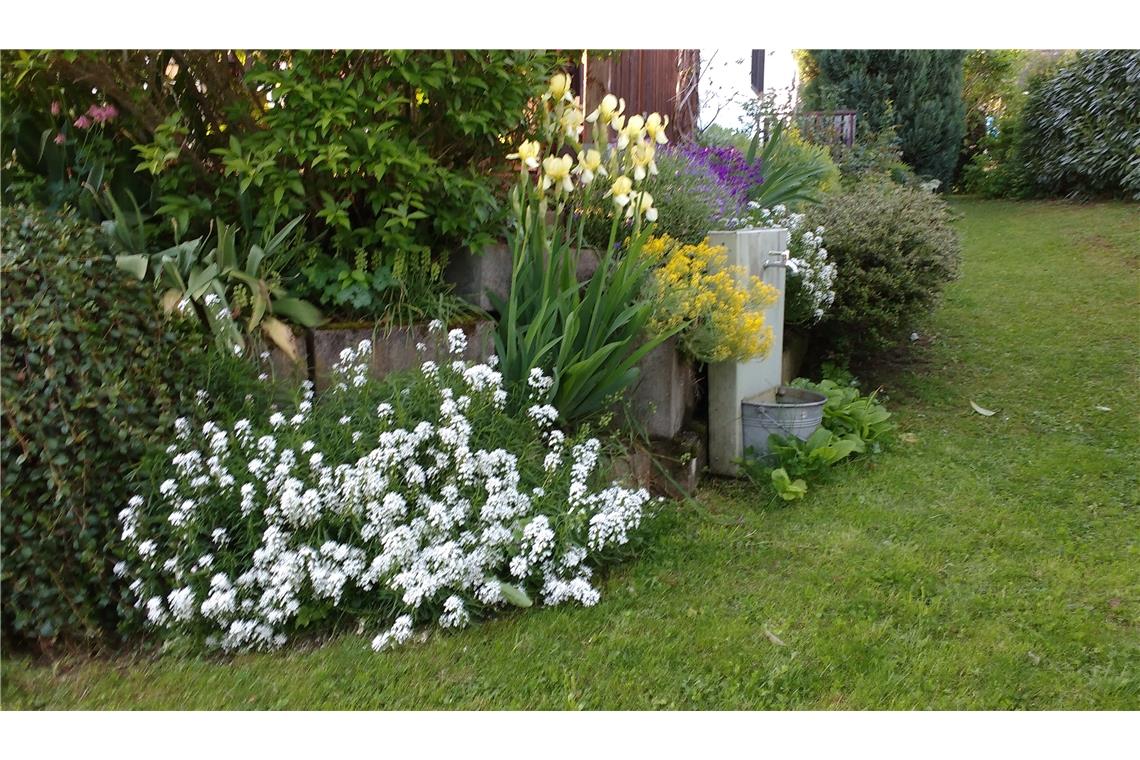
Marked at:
<point>475,275</point>
<point>396,349</point>
<point>664,396</point>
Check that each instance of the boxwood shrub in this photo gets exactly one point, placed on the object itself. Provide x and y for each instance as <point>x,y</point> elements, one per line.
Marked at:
<point>90,371</point>
<point>894,249</point>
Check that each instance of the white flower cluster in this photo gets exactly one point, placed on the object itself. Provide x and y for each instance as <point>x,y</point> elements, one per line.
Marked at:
<point>811,277</point>
<point>255,527</point>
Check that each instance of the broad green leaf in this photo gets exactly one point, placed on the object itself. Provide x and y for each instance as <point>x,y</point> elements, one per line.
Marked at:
<point>133,263</point>
<point>278,332</point>
<point>515,595</point>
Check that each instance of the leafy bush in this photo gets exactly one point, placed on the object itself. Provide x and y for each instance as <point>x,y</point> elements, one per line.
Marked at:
<point>389,155</point>
<point>416,501</point>
<point>894,249</point>
<point>90,373</point>
<point>1074,133</point>
<point>1082,126</point>
<point>719,309</point>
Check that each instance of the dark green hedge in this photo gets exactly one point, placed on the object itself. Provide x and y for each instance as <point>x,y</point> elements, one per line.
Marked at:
<point>90,372</point>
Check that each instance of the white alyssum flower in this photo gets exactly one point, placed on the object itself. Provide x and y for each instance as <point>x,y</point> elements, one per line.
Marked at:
<point>423,513</point>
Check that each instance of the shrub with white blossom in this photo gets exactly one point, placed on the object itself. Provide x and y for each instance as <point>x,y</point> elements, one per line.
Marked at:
<point>399,504</point>
<point>810,289</point>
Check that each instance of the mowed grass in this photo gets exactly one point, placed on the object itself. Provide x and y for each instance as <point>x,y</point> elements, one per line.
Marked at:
<point>983,563</point>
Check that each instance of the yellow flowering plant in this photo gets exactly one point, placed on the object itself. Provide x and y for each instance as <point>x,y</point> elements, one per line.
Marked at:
<point>589,338</point>
<point>718,309</point>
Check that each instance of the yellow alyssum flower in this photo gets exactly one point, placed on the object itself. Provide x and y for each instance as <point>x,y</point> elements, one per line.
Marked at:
<point>558,88</point>
<point>642,156</point>
<point>721,306</point>
<point>609,108</point>
<point>528,152</point>
<point>655,128</point>
<point>556,171</point>
<point>589,166</point>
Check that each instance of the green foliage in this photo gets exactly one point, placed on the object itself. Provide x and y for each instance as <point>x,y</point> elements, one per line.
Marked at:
<point>989,87</point>
<point>847,412</point>
<point>907,557</point>
<point>786,488</point>
<point>795,172</point>
<point>1073,133</point>
<point>920,91</point>
<point>894,250</point>
<point>386,151</point>
<point>382,151</point>
<point>1081,133</point>
<point>232,289</point>
<point>590,339</point>
<point>90,372</point>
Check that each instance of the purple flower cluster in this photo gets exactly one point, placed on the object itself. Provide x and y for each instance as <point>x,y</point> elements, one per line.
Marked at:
<point>728,165</point>
<point>692,177</point>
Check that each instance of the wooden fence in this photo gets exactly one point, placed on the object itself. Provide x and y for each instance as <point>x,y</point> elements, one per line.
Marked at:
<point>664,81</point>
<point>827,127</point>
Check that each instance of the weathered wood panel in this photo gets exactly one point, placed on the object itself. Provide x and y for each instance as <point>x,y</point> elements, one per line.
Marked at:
<point>664,81</point>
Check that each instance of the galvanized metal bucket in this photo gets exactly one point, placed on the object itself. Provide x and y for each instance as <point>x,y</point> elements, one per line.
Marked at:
<point>784,411</point>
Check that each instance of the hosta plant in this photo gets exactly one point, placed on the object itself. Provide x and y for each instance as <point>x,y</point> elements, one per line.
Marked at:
<point>394,506</point>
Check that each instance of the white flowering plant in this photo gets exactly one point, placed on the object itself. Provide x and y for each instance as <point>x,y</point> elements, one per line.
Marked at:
<point>810,289</point>
<point>396,505</point>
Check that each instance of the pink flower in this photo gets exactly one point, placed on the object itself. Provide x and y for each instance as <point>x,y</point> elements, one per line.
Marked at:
<point>83,122</point>
<point>102,114</point>
<point>55,108</point>
<point>59,138</point>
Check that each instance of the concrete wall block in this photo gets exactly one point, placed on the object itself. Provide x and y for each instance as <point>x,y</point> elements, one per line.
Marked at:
<point>762,253</point>
<point>473,275</point>
<point>286,369</point>
<point>664,395</point>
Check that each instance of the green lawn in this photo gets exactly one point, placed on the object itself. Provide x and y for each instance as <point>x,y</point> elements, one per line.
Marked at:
<point>983,563</point>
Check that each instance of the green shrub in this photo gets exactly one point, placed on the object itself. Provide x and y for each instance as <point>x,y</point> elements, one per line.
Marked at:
<point>894,249</point>
<point>1076,132</point>
<point>388,154</point>
<point>90,372</point>
<point>1082,126</point>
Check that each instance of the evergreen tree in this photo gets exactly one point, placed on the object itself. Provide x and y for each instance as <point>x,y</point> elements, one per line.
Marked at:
<point>919,91</point>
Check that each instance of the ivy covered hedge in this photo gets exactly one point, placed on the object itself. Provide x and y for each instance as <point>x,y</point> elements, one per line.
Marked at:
<point>89,373</point>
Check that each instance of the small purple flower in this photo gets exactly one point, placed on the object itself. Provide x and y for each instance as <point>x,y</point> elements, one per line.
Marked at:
<point>55,108</point>
<point>83,122</point>
<point>728,165</point>
<point>59,139</point>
